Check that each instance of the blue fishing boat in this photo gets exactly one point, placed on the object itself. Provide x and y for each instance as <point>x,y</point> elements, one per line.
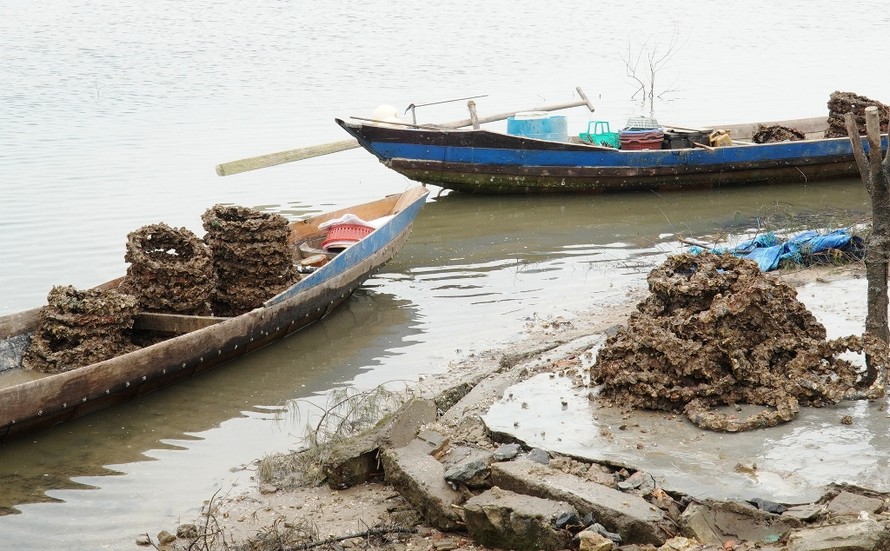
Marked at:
<point>484,161</point>
<point>185,345</point>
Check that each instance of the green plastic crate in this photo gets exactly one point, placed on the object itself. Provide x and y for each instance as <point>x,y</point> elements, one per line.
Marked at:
<point>598,133</point>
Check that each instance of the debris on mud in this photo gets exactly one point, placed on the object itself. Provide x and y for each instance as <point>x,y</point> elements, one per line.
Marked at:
<point>252,258</point>
<point>442,490</point>
<point>79,328</point>
<point>847,102</point>
<point>715,331</point>
<point>171,270</point>
<point>777,133</point>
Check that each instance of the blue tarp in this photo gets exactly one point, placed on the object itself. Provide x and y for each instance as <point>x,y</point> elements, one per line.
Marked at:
<point>769,251</point>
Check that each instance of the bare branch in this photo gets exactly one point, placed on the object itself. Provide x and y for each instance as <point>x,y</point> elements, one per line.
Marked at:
<point>656,60</point>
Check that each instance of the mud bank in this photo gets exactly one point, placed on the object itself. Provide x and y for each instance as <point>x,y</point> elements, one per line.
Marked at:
<point>535,393</point>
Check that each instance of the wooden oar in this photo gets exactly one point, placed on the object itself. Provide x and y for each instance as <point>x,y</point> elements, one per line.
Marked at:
<point>272,159</point>
<point>289,156</point>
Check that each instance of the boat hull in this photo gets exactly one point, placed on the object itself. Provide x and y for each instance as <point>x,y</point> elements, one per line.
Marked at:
<point>479,161</point>
<point>39,404</point>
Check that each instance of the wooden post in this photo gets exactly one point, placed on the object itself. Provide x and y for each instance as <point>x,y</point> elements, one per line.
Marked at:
<point>474,118</point>
<point>875,174</point>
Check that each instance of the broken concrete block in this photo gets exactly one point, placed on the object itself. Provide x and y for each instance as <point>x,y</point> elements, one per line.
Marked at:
<point>504,519</point>
<point>716,522</point>
<point>855,535</point>
<point>404,424</point>
<point>420,479</point>
<point>806,512</point>
<point>437,443</point>
<point>632,517</point>
<point>850,504</point>
<point>695,522</point>
<point>354,460</point>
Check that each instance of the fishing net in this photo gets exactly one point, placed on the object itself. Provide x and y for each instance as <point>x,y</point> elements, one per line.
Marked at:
<point>171,270</point>
<point>252,257</point>
<point>841,103</point>
<point>78,328</point>
<point>777,133</point>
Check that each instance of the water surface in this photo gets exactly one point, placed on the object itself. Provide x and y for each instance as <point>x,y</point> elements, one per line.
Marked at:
<point>113,115</point>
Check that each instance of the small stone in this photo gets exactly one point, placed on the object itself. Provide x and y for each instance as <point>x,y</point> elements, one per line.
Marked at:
<point>539,456</point>
<point>847,420</point>
<point>473,473</point>
<point>590,540</point>
<point>640,481</point>
<point>768,506</point>
<point>679,543</point>
<point>165,537</point>
<point>143,539</point>
<point>187,531</point>
<point>506,452</point>
<point>446,544</point>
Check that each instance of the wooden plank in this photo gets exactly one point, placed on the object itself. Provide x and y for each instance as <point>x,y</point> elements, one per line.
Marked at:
<point>813,127</point>
<point>174,323</point>
<point>18,323</point>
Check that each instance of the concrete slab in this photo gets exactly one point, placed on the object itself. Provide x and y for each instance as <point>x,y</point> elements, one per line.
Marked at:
<point>716,523</point>
<point>860,535</point>
<point>421,480</point>
<point>509,520</point>
<point>792,463</point>
<point>632,517</point>
<point>850,504</point>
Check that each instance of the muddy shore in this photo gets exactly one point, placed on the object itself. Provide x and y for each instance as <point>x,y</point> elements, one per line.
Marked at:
<point>267,514</point>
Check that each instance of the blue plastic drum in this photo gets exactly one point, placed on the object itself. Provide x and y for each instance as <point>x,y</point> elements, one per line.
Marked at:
<point>539,125</point>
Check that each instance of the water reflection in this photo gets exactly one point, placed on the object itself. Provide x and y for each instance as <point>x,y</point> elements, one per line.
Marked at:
<point>559,221</point>
<point>366,330</point>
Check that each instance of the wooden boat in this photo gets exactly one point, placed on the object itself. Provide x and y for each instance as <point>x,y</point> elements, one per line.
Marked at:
<point>482,161</point>
<point>32,401</point>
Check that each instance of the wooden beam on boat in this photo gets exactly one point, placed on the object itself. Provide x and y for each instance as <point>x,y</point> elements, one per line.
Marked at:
<point>583,102</point>
<point>173,323</point>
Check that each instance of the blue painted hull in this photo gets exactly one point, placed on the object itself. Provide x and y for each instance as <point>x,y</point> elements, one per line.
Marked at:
<point>481,161</point>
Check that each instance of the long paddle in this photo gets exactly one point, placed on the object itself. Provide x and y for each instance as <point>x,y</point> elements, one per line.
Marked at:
<point>289,156</point>
<point>272,159</point>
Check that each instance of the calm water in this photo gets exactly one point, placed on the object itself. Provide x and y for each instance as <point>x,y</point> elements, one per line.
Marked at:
<point>113,115</point>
